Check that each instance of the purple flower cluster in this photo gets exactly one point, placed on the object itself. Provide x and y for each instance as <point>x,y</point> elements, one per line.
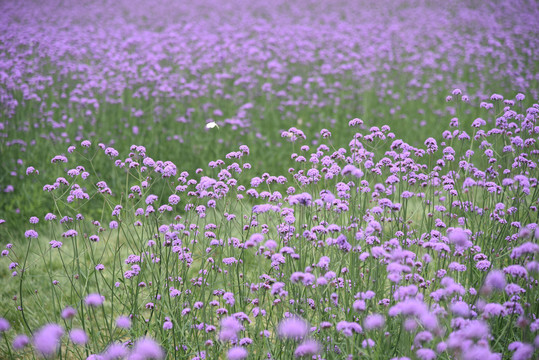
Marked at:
<point>389,241</point>
<point>411,232</point>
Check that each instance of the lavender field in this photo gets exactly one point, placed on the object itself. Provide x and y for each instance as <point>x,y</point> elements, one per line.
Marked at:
<point>249,179</point>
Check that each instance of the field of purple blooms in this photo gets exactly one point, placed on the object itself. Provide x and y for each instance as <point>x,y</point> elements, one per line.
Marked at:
<point>269,180</point>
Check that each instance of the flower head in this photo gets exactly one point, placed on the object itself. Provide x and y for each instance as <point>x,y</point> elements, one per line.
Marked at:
<point>293,328</point>
<point>307,348</point>
<point>20,342</point>
<point>4,325</point>
<point>47,339</point>
<point>123,322</point>
<point>374,321</point>
<point>146,348</point>
<point>495,280</point>
<point>94,300</point>
<point>78,336</point>
<point>68,313</point>
<point>237,353</point>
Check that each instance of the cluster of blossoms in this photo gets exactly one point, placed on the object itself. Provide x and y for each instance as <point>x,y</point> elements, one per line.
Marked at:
<point>133,226</point>
<point>46,341</point>
<point>182,66</point>
<point>430,250</point>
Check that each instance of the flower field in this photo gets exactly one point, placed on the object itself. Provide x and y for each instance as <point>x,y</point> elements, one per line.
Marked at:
<point>269,180</point>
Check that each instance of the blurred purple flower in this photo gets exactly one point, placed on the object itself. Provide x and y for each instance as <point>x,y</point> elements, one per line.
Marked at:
<point>237,353</point>
<point>94,300</point>
<point>20,342</point>
<point>78,336</point>
<point>146,348</point>
<point>293,328</point>
<point>47,339</point>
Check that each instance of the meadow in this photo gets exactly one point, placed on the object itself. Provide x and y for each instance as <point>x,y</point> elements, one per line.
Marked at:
<point>269,180</point>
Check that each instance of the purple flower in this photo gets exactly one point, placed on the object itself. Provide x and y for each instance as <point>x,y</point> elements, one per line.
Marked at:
<point>198,305</point>
<point>257,238</point>
<point>301,199</point>
<point>78,336</point>
<point>359,305</point>
<point>307,348</point>
<point>368,343</point>
<point>516,271</point>
<point>348,328</point>
<point>325,325</point>
<point>59,158</point>
<point>512,289</point>
<point>167,325</point>
<point>230,327</point>
<point>94,300</point>
<point>293,328</point>
<point>31,234</point>
<point>392,179</point>
<point>422,337</point>
<point>374,321</point>
<point>115,351</point>
<point>70,233</point>
<point>350,169</point>
<point>50,217</point>
<point>150,199</point>
<point>522,351</point>
<point>4,325</point>
<point>111,152</point>
<point>123,322</point>
<point>246,341</point>
<point>20,342</point>
<point>495,280</point>
<point>237,353</point>
<point>534,326</point>
<point>31,170</point>
<point>68,313</point>
<point>47,339</point>
<point>229,298</point>
<point>426,354</point>
<point>173,199</point>
<point>493,309</point>
<point>95,357</point>
<point>459,237</point>
<point>230,261</point>
<point>460,308</point>
<point>355,122</point>
<point>441,347</point>
<point>483,265</point>
<point>478,123</point>
<point>146,348</point>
